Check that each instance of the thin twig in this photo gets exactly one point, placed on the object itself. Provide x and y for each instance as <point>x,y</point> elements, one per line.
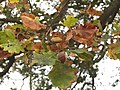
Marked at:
<point>10,63</point>
<point>6,20</point>
<point>30,72</point>
<point>62,6</point>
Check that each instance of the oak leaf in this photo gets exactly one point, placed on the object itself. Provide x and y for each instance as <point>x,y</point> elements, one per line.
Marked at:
<point>31,21</point>
<point>70,21</point>
<point>83,33</point>
<point>114,51</point>
<point>4,54</point>
<point>59,40</point>
<point>45,58</point>
<point>12,3</point>
<point>93,12</point>
<point>62,75</point>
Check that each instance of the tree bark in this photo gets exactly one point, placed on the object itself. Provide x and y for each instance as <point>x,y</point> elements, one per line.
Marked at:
<point>10,63</point>
<point>110,13</point>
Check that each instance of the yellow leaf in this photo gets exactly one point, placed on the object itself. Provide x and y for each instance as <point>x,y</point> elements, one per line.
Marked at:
<point>13,1</point>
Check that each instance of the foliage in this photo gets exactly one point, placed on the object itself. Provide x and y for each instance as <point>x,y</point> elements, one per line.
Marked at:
<point>62,73</point>
<point>38,38</point>
<point>70,21</point>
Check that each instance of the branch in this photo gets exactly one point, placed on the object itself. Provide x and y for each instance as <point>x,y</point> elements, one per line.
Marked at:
<point>10,63</point>
<point>107,18</point>
<point>59,15</point>
<point>110,13</point>
<point>10,20</point>
<point>86,83</point>
<point>1,1</point>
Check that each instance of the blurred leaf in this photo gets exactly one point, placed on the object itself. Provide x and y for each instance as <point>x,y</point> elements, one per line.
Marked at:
<point>45,58</point>
<point>18,26</point>
<point>13,1</point>
<point>85,56</point>
<point>9,43</point>
<point>93,12</point>
<point>105,37</point>
<point>114,50</point>
<point>37,0</point>
<point>81,50</point>
<point>44,45</point>
<point>97,22</point>
<point>62,75</point>
<point>82,53</point>
<point>31,21</point>
<point>70,21</point>
<point>4,54</point>
<point>85,33</point>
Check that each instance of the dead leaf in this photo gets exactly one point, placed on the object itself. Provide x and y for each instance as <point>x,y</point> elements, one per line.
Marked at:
<point>62,57</point>
<point>4,54</point>
<point>93,12</point>
<point>31,21</point>
<point>37,46</point>
<point>83,33</point>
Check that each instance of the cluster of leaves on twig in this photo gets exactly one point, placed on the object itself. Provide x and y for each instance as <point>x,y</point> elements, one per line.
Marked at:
<point>39,44</point>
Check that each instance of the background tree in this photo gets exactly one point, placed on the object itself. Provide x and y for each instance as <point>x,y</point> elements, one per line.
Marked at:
<point>70,40</point>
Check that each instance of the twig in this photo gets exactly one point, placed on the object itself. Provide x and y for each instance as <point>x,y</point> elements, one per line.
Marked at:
<point>110,13</point>
<point>30,72</point>
<point>86,83</point>
<point>79,76</point>
<point>10,63</point>
<point>58,15</point>
<point>1,1</point>
<point>6,20</point>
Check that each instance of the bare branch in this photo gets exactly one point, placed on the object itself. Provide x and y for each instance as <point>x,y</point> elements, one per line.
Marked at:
<point>110,13</point>
<point>10,63</point>
<point>1,1</point>
<point>6,20</point>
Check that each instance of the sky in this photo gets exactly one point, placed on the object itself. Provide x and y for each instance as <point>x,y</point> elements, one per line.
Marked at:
<point>109,72</point>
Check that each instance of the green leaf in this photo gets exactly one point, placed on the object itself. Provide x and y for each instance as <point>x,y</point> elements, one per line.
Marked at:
<point>80,50</point>
<point>82,53</point>
<point>85,56</point>
<point>12,47</point>
<point>37,20</point>
<point>18,26</point>
<point>9,33</point>
<point>70,21</point>
<point>114,50</point>
<point>37,0</point>
<point>3,37</point>
<point>97,22</point>
<point>106,37</point>
<point>62,75</point>
<point>44,46</point>
<point>45,58</point>
<point>9,42</point>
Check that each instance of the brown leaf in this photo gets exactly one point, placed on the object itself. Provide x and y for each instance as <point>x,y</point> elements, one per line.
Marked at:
<point>85,33</point>
<point>93,12</point>
<point>12,5</point>
<point>30,22</point>
<point>56,39</point>
<point>4,54</point>
<point>62,57</point>
<point>69,35</point>
<point>58,46</point>
<point>37,46</point>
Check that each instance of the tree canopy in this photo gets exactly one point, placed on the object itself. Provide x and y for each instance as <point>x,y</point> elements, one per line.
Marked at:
<point>70,36</point>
